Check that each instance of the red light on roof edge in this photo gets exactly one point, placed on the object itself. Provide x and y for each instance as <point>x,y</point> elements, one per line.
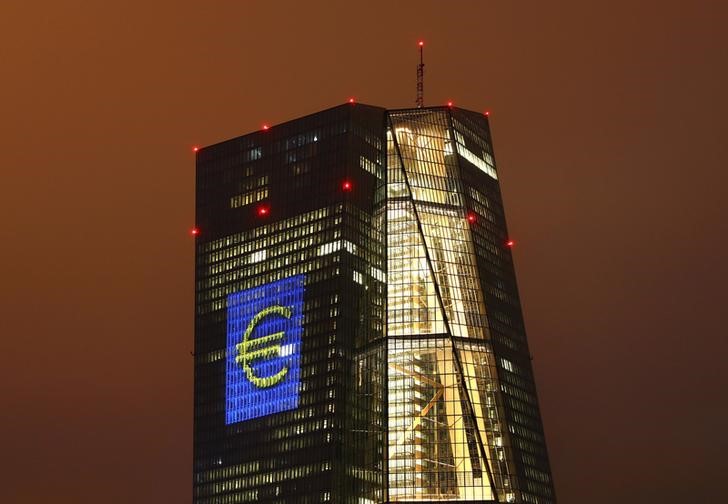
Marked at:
<point>194,231</point>
<point>510,243</point>
<point>487,113</point>
<point>266,127</point>
<point>449,104</point>
<point>263,210</point>
<point>471,217</point>
<point>195,148</point>
<point>351,100</point>
<point>421,43</point>
<point>347,186</point>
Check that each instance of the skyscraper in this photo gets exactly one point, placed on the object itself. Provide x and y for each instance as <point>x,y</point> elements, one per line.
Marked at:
<point>358,331</point>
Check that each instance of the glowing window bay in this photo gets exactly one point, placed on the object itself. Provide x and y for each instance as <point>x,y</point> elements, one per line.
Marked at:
<point>264,328</point>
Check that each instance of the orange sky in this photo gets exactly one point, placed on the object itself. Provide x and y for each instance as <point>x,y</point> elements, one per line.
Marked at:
<point>608,122</point>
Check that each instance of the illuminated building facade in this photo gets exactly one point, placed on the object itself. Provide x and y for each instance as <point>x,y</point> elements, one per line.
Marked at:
<point>358,331</point>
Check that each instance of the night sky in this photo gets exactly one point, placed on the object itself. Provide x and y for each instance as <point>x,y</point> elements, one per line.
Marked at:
<point>608,119</point>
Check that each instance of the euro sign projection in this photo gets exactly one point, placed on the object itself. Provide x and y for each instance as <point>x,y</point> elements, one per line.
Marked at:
<point>263,363</point>
<point>260,348</point>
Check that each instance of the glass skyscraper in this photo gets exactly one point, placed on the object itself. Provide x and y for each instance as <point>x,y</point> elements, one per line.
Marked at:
<point>358,331</point>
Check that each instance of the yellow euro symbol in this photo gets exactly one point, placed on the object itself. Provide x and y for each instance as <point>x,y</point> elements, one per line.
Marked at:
<point>250,350</point>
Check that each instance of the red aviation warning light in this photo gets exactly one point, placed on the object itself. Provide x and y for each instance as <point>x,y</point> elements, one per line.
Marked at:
<point>421,43</point>
<point>266,127</point>
<point>347,186</point>
<point>263,210</point>
<point>510,243</point>
<point>351,100</point>
<point>195,148</point>
<point>195,231</point>
<point>472,217</point>
<point>449,104</point>
<point>486,113</point>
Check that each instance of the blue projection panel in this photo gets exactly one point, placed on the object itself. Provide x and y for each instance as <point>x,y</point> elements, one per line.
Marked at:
<point>264,329</point>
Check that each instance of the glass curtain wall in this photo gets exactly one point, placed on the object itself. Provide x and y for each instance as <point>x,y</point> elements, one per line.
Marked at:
<point>278,225</point>
<point>445,437</point>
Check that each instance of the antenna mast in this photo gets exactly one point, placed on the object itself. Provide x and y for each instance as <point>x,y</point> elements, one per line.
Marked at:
<point>420,78</point>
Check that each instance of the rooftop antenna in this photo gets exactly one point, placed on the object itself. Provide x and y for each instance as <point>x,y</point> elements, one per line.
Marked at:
<point>420,78</point>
